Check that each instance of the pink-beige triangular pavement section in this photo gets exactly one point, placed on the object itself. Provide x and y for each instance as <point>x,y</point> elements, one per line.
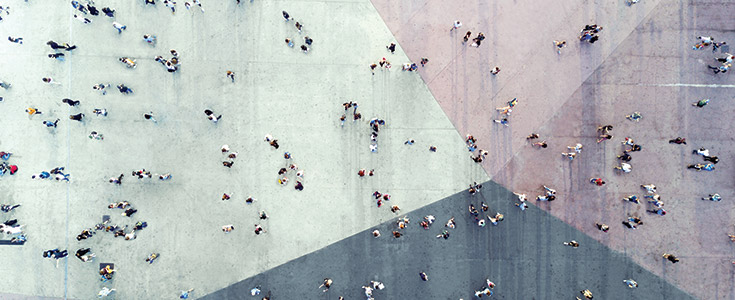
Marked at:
<point>519,39</point>
<point>655,72</point>
<point>643,62</point>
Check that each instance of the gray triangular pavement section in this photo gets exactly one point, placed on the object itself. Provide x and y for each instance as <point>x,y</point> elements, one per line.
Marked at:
<point>524,255</point>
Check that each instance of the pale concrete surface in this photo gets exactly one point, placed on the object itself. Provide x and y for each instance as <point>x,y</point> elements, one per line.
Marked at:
<point>295,97</point>
<point>524,256</point>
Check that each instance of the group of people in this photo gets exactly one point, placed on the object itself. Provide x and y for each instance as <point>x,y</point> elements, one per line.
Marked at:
<point>299,27</point>
<point>710,159</point>
<point>375,124</point>
<point>290,167</point>
<point>589,33</point>
<point>724,62</point>
<point>58,173</point>
<point>471,142</point>
<point>85,254</point>
<point>355,115</point>
<point>172,64</point>
<point>505,112</point>
<point>475,42</point>
<point>479,218</point>
<point>6,167</point>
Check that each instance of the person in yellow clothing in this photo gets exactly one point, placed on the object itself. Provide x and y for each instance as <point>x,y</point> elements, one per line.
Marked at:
<point>32,111</point>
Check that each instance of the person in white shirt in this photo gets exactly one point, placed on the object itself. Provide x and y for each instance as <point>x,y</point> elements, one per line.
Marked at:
<point>119,27</point>
<point>11,230</point>
<point>104,292</point>
<point>457,24</point>
<point>83,19</point>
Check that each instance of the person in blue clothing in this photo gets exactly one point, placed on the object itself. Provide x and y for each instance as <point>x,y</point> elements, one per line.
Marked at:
<point>632,198</point>
<point>185,294</point>
<point>5,155</point>
<point>42,175</point>
<point>700,167</point>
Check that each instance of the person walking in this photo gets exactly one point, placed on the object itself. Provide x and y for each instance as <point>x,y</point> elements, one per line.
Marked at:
<point>572,243</point>
<point>185,294</point>
<point>299,26</point>
<point>286,16</point>
<point>632,198</point>
<point>198,3</point>
<point>466,37</point>
<point>119,27</point>
<point>100,112</point>
<point>77,117</point>
<point>70,102</point>
<point>105,292</point>
<point>631,283</point>
<point>57,56</point>
<point>456,25</point>
<point>670,257</point>
<point>503,121</point>
<point>326,284</point>
<point>149,116</point>
<point>170,4</point>
<point>569,155</point>
<point>659,211</point>
<point>51,124</point>
<point>15,40</point>
<point>124,89</point>
<point>478,40</point>
<point>602,227</point>
<point>109,12</point>
<point>720,69</point>
<point>82,19</point>
<point>211,116</point>
<point>713,197</point>
<point>559,45</point>
<point>597,181</point>
<point>6,208</point>
<point>678,141</point>
<point>423,276</point>
<point>150,39</point>
<point>701,103</point>
<point>50,81</point>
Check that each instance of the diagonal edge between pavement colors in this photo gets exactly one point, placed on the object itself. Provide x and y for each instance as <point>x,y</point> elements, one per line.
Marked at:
<point>308,92</point>
<point>458,74</point>
<point>524,256</point>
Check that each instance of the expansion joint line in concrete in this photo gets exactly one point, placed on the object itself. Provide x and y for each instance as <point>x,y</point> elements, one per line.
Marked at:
<point>68,160</point>
<point>683,85</point>
<point>559,107</point>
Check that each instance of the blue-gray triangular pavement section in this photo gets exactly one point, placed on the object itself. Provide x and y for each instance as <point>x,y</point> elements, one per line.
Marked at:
<point>524,256</point>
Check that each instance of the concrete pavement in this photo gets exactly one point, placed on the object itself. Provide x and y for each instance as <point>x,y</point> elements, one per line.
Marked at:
<point>656,72</point>
<point>643,62</point>
<point>278,90</point>
<point>524,256</point>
